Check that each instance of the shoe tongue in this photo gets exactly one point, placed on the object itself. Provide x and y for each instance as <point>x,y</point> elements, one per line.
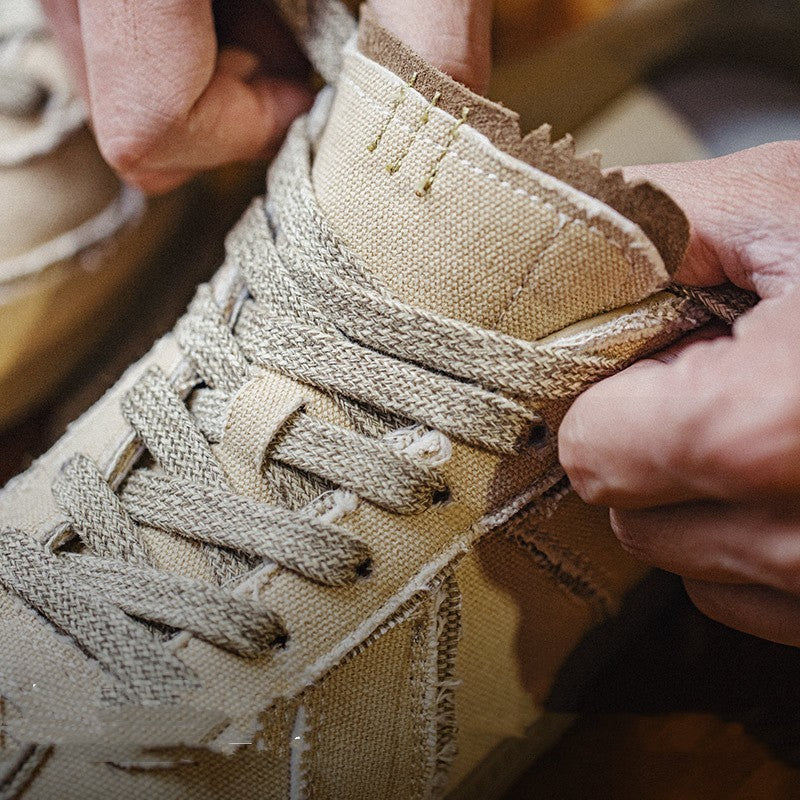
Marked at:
<point>449,221</point>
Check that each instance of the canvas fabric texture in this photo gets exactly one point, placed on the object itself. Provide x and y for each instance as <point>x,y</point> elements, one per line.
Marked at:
<point>406,683</point>
<point>641,201</point>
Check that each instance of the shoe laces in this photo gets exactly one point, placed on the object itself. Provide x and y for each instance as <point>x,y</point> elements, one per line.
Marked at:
<point>409,379</point>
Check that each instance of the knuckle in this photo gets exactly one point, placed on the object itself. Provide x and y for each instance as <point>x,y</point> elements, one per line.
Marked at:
<point>130,139</point>
<point>584,481</point>
<point>587,488</point>
<point>127,153</point>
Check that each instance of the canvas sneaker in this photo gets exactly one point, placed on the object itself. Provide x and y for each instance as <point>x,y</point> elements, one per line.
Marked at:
<point>317,542</point>
<point>72,237</point>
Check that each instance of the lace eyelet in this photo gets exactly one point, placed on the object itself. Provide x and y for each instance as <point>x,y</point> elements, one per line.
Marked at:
<point>538,435</point>
<point>364,569</point>
<point>440,496</point>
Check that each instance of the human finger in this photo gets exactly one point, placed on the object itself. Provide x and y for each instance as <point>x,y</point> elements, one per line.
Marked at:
<point>717,542</point>
<point>163,104</point>
<point>66,27</point>
<point>453,35</point>
<point>719,421</point>
<point>743,212</point>
<point>757,610</point>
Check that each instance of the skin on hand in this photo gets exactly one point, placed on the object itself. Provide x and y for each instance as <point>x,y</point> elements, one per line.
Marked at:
<point>164,100</point>
<point>453,35</point>
<point>178,86</point>
<point>697,450</point>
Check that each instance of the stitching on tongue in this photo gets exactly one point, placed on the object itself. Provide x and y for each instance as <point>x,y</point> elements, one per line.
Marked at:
<point>421,122</point>
<point>427,182</point>
<point>564,219</point>
<point>399,98</point>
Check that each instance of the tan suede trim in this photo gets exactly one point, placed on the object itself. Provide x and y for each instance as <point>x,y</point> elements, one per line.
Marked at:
<point>641,202</point>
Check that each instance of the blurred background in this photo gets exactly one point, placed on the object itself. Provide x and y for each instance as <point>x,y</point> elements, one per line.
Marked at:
<point>652,80</point>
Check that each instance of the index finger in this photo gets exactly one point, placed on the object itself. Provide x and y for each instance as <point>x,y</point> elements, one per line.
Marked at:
<point>721,421</point>
<point>163,103</point>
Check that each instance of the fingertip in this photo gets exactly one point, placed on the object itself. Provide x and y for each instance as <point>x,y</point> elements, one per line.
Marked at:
<point>282,102</point>
<point>576,448</point>
<point>610,441</point>
<point>237,63</point>
<point>701,265</point>
<point>592,443</point>
<point>453,36</point>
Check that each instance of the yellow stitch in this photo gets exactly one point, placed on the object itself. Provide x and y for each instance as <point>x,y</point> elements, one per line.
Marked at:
<point>426,113</point>
<point>464,115</point>
<point>393,167</point>
<point>425,184</point>
<point>396,103</point>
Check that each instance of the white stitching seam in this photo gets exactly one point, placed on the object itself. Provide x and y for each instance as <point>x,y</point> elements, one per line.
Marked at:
<point>492,176</point>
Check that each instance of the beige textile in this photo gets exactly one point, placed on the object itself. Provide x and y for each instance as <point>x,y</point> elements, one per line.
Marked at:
<point>405,682</point>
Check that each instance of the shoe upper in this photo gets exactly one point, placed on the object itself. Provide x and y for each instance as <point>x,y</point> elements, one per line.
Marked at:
<point>271,507</point>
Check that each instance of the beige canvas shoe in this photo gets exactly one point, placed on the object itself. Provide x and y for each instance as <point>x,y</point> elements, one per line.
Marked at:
<point>317,542</point>
<point>71,236</point>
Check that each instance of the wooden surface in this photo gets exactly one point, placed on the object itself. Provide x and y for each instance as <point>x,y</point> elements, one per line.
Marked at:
<point>691,711</point>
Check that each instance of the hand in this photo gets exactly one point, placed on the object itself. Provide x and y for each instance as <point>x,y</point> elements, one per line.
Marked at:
<point>178,86</point>
<point>697,450</point>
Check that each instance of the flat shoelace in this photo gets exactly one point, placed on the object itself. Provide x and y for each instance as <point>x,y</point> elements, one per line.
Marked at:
<point>310,310</point>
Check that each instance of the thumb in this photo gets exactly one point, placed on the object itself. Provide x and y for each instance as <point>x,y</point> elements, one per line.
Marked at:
<point>743,213</point>
<point>452,35</point>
